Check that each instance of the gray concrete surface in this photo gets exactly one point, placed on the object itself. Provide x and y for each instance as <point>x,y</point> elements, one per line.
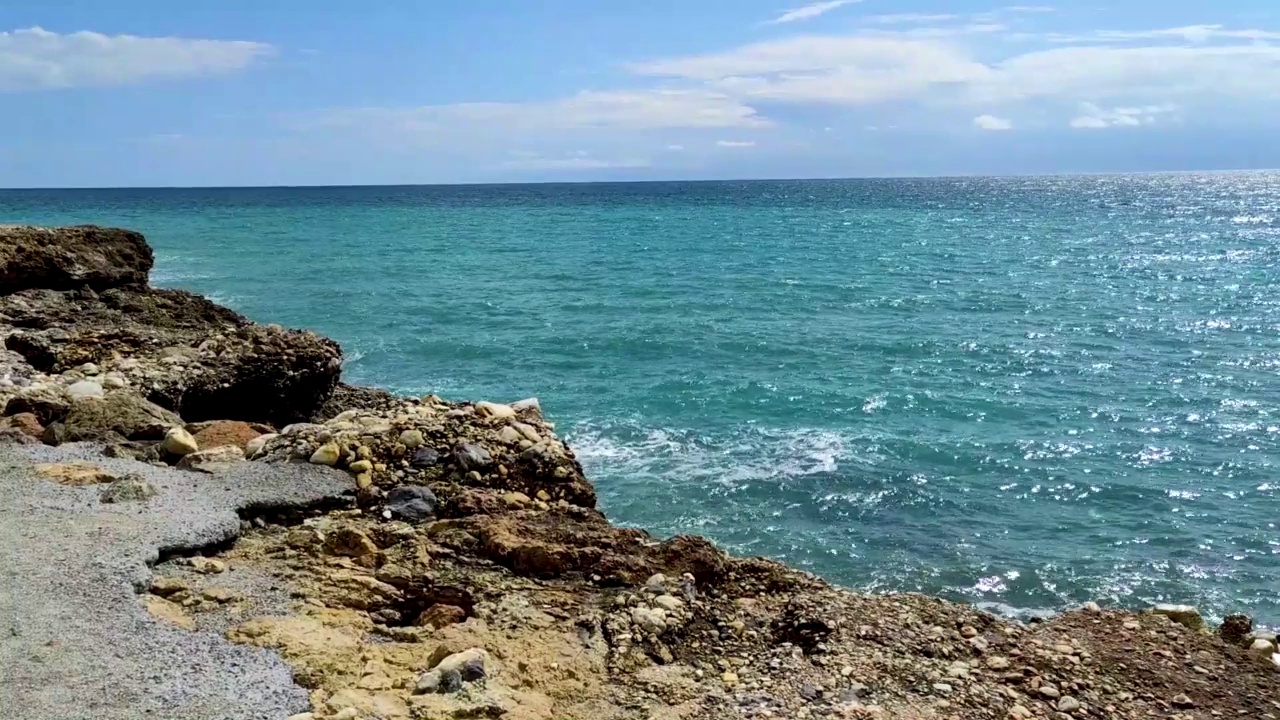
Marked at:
<point>75,641</point>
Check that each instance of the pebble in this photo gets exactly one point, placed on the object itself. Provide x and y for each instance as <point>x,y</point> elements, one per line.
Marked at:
<point>528,432</point>
<point>669,603</point>
<point>1068,704</point>
<point>997,662</point>
<point>729,678</point>
<point>85,388</point>
<point>1092,607</point>
<point>471,456</point>
<point>1017,712</point>
<point>650,619</point>
<point>179,442</point>
<point>516,499</point>
<point>943,688</point>
<point>968,631</point>
<point>327,454</point>
<point>1049,691</point>
<point>425,458</point>
<point>412,439</point>
<point>1182,701</point>
<point>256,445</point>
<point>207,566</point>
<point>130,488</point>
<point>958,670</point>
<point>360,466</point>
<point>509,435</point>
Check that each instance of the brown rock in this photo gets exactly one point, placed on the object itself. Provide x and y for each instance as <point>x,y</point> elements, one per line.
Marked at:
<point>221,433</point>
<point>1235,628</point>
<point>71,257</point>
<point>350,542</point>
<point>26,423</point>
<point>440,615</point>
<point>75,474</point>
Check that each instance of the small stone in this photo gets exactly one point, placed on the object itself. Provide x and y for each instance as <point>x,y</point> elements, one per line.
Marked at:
<point>130,488</point>
<point>469,663</point>
<point>412,439</point>
<point>1184,615</point>
<point>527,405</point>
<point>509,435</point>
<point>1182,701</point>
<point>412,503</point>
<point>212,459</point>
<point>26,423</point>
<point>471,456</point>
<point>1132,625</point>
<point>360,466</point>
<point>1050,692</point>
<point>968,631</point>
<point>166,586</point>
<point>219,595</point>
<point>350,542</point>
<point>114,381</point>
<point>729,678</point>
<point>89,369</point>
<point>441,615</point>
<point>495,410</point>
<point>258,444</point>
<point>1017,712</point>
<point>670,603</point>
<point>207,566</point>
<point>327,454</point>
<point>650,620</point>
<point>656,582</point>
<point>425,458</point>
<point>74,474</point>
<point>997,662</point>
<point>958,670</point>
<point>179,442</point>
<point>1068,704</point>
<point>943,688</point>
<point>85,389</point>
<point>1092,607</point>
<point>516,499</point>
<point>528,431</point>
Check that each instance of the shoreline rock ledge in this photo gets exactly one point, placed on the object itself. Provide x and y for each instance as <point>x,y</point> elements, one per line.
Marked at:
<point>469,574</point>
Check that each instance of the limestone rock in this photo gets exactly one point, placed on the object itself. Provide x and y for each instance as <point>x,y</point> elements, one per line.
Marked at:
<point>211,460</point>
<point>169,612</point>
<point>74,474</point>
<point>121,412</point>
<point>328,454</point>
<point>495,410</point>
<point>224,432</point>
<point>178,442</point>
<point>71,257</point>
<point>1184,615</point>
<point>85,389</point>
<point>130,488</point>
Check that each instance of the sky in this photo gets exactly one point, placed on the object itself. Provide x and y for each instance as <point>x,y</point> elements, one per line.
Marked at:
<point>142,93</point>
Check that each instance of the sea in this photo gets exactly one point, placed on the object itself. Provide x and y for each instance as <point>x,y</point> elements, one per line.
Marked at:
<point>1022,393</point>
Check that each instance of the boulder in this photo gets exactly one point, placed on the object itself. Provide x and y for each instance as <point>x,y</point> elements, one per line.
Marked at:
<point>71,257</point>
<point>1184,615</point>
<point>25,423</point>
<point>179,442</point>
<point>47,403</point>
<point>220,433</point>
<point>122,412</point>
<point>85,389</point>
<point>212,459</point>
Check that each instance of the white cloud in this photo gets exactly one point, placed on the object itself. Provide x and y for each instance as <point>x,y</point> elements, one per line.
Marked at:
<point>992,122</point>
<point>36,59</point>
<point>626,110</point>
<point>1195,34</point>
<point>1093,117</point>
<point>580,160</point>
<point>1030,9</point>
<point>811,11</point>
<point>910,18</point>
<point>675,148</point>
<point>735,143</point>
<point>853,69</point>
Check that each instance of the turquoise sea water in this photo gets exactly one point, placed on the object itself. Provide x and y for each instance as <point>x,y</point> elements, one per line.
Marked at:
<point>1022,392</point>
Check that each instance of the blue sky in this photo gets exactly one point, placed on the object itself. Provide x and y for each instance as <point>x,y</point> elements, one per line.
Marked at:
<point>290,92</point>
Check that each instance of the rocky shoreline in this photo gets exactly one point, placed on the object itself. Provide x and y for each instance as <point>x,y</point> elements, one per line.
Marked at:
<point>466,572</point>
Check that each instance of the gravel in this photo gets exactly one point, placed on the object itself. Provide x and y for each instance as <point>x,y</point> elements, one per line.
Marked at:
<point>75,641</point>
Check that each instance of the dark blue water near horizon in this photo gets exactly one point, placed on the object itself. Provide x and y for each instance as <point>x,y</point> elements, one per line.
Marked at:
<point>1019,392</point>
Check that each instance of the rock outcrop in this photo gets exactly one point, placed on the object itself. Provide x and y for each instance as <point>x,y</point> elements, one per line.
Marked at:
<point>69,258</point>
<point>471,574</point>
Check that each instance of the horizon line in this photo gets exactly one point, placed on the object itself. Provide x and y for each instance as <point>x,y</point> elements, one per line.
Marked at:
<point>501,183</point>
